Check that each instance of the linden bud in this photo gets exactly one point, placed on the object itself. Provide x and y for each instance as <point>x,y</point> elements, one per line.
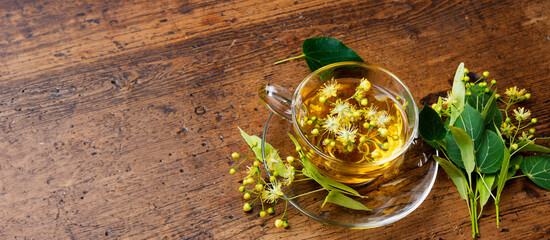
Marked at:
<point>285,224</point>
<point>315,131</point>
<point>466,79</point>
<point>247,207</point>
<point>532,131</point>
<point>383,132</point>
<point>356,114</point>
<point>514,146</point>
<point>272,179</point>
<point>256,163</point>
<point>527,95</point>
<point>232,171</point>
<point>486,74</point>
<point>275,173</point>
<point>362,139</point>
<point>322,99</point>
<point>290,159</point>
<point>298,149</point>
<point>332,144</point>
<point>241,189</point>
<point>508,120</point>
<point>309,122</point>
<point>259,187</point>
<point>468,93</point>
<point>497,96</point>
<point>271,210</point>
<point>533,120</point>
<point>493,82</point>
<point>386,146</point>
<point>278,223</point>
<point>235,155</point>
<point>466,71</point>
<point>314,118</point>
<point>364,102</point>
<point>246,196</point>
<point>254,144</point>
<point>263,214</point>
<point>366,125</point>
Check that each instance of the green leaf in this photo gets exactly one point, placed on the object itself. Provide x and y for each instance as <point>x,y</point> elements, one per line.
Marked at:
<point>456,175</point>
<point>530,146</point>
<point>327,183</point>
<point>344,201</point>
<point>278,167</point>
<point>459,93</point>
<point>322,51</point>
<point>430,125</point>
<point>466,146</point>
<point>484,186</point>
<point>486,104</point>
<point>490,152</point>
<point>537,168</point>
<point>502,178</point>
<point>472,122</point>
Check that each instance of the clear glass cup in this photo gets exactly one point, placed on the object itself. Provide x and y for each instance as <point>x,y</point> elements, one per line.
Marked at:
<point>291,107</point>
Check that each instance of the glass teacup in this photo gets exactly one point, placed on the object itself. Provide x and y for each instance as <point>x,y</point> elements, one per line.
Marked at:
<point>362,89</point>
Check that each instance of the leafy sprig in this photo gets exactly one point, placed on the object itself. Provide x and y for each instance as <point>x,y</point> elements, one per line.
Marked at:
<point>477,141</point>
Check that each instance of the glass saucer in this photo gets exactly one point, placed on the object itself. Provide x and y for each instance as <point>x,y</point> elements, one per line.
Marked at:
<point>391,196</point>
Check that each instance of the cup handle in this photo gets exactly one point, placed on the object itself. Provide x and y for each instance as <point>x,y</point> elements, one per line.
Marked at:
<point>278,99</point>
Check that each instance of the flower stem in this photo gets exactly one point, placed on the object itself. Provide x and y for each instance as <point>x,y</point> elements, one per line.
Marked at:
<point>288,59</point>
<point>303,194</point>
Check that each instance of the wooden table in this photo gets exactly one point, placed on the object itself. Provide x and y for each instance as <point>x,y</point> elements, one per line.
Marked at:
<point>117,118</point>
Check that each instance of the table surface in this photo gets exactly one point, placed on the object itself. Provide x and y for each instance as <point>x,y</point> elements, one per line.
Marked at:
<point>118,118</point>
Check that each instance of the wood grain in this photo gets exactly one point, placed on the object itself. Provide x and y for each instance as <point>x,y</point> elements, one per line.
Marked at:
<point>117,117</point>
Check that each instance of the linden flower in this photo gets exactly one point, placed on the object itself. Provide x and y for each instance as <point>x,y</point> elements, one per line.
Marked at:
<point>346,134</point>
<point>449,100</point>
<point>251,172</point>
<point>382,119</point>
<point>331,124</point>
<point>271,193</point>
<point>340,108</point>
<point>272,159</point>
<point>371,112</point>
<point>521,114</point>
<point>507,129</point>
<point>364,85</point>
<point>525,136</point>
<point>513,92</point>
<point>289,175</point>
<point>330,89</point>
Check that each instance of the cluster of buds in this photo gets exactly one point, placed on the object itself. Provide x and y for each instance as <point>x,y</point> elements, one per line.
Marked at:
<point>268,190</point>
<point>341,121</point>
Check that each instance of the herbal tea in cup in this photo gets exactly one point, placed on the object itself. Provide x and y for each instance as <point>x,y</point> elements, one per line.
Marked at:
<point>354,120</point>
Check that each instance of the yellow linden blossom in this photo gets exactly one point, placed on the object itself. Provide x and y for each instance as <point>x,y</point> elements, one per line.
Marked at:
<point>331,124</point>
<point>382,119</point>
<point>340,108</point>
<point>363,88</point>
<point>346,134</point>
<point>271,193</point>
<point>450,99</point>
<point>330,89</point>
<point>272,159</point>
<point>521,114</point>
<point>525,136</point>
<point>507,129</point>
<point>514,92</point>
<point>251,172</point>
<point>289,174</point>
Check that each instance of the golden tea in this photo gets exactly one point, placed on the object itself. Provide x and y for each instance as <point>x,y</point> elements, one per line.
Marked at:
<point>355,122</point>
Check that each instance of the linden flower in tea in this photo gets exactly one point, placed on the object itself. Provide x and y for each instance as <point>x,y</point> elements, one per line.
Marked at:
<point>350,120</point>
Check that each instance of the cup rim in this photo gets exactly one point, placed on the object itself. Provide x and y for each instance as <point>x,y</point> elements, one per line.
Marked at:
<point>405,146</point>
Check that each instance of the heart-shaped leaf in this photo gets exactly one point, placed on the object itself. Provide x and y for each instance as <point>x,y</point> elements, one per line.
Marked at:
<point>490,153</point>
<point>537,168</point>
<point>485,103</point>
<point>470,121</point>
<point>322,51</point>
<point>530,146</point>
<point>431,126</point>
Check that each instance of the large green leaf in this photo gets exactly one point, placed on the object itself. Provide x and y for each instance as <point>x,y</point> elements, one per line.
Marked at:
<point>459,93</point>
<point>345,201</point>
<point>537,168</point>
<point>322,51</point>
<point>490,152</point>
<point>485,103</point>
<point>456,175</point>
<point>431,126</point>
<point>466,146</point>
<point>279,167</point>
<point>470,121</point>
